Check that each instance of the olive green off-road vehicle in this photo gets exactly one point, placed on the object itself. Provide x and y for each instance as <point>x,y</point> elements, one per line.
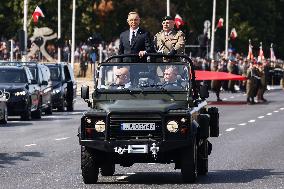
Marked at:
<point>152,112</point>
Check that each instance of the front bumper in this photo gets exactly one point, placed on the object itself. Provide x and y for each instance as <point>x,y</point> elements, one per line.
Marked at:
<point>111,146</point>
<point>17,105</point>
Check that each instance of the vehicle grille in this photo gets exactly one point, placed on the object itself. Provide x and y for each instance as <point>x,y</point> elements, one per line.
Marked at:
<point>115,131</point>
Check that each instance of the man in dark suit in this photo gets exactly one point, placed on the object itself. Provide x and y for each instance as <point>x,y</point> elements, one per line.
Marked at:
<point>135,40</point>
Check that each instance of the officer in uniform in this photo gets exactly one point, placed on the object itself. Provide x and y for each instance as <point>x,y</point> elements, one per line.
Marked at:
<point>169,41</point>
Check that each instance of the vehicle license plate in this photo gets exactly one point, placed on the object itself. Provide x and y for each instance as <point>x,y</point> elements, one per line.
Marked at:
<point>138,126</point>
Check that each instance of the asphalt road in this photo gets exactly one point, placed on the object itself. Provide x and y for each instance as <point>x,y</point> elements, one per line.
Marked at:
<point>248,154</point>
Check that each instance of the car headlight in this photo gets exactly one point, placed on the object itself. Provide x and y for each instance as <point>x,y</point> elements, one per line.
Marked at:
<point>20,93</point>
<point>172,126</point>
<point>100,126</point>
<point>57,90</point>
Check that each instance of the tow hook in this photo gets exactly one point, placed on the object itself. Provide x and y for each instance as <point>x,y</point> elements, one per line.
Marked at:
<point>154,150</point>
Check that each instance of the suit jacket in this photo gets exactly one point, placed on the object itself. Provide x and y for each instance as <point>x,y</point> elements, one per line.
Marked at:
<point>142,42</point>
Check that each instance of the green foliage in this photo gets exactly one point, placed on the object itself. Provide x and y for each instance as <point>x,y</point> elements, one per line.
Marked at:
<point>260,21</point>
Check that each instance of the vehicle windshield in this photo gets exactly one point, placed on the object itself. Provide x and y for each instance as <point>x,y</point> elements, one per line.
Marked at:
<point>55,74</point>
<point>150,77</point>
<point>12,76</point>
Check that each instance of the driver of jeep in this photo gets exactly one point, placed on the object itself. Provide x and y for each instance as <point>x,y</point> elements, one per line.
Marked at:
<point>171,79</point>
<point>122,78</point>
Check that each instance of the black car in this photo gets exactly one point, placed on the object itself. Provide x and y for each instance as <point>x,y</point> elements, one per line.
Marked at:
<point>41,74</point>
<point>163,118</point>
<point>23,91</point>
<point>64,86</point>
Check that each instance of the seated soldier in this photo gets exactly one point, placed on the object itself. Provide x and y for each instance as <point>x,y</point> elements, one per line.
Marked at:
<point>170,79</point>
<point>122,78</point>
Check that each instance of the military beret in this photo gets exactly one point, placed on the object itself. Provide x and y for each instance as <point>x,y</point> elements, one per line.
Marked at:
<point>167,18</point>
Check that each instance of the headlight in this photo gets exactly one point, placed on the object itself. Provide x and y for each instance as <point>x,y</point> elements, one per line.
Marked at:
<point>20,93</point>
<point>100,126</point>
<point>57,90</point>
<point>172,126</point>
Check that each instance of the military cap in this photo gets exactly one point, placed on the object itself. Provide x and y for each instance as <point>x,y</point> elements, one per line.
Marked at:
<point>167,18</point>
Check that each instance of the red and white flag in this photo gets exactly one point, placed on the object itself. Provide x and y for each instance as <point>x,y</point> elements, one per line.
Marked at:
<point>261,54</point>
<point>250,54</point>
<point>220,23</point>
<point>272,55</point>
<point>233,34</point>
<point>178,21</point>
<point>37,13</point>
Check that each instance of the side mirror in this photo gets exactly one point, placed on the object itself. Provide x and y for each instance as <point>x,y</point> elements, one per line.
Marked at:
<point>85,92</point>
<point>204,93</point>
<point>44,83</point>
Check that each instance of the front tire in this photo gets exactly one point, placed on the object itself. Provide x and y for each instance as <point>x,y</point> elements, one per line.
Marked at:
<point>5,117</point>
<point>70,106</point>
<point>189,163</point>
<point>90,169</point>
<point>27,115</point>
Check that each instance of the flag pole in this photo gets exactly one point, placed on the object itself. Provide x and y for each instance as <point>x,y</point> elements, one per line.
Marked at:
<point>168,8</point>
<point>73,34</point>
<point>213,29</point>
<point>227,29</point>
<point>59,30</point>
<point>25,28</point>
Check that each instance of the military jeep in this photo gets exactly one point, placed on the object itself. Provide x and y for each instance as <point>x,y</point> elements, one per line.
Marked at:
<point>144,120</point>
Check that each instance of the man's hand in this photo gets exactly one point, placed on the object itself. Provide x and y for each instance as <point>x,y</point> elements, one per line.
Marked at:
<point>142,53</point>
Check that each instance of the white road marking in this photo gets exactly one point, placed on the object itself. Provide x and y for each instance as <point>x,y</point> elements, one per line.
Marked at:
<point>28,145</point>
<point>130,173</point>
<point>276,111</point>
<point>242,124</point>
<point>251,121</point>
<point>230,129</point>
<point>224,99</point>
<point>232,97</point>
<point>121,177</point>
<point>220,134</point>
<point>62,138</point>
<point>244,94</point>
<point>260,117</point>
<point>14,121</point>
<point>151,163</point>
<point>281,108</point>
<point>269,114</point>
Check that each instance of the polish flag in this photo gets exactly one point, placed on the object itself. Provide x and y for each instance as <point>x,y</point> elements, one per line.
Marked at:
<point>178,21</point>
<point>233,34</point>
<point>37,13</point>
<point>261,54</point>
<point>220,23</point>
<point>272,55</point>
<point>250,54</point>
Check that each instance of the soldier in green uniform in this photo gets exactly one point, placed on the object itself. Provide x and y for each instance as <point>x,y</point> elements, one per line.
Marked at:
<point>216,84</point>
<point>169,41</point>
<point>252,83</point>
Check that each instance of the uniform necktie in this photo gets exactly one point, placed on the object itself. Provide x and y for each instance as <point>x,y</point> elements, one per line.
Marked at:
<point>132,38</point>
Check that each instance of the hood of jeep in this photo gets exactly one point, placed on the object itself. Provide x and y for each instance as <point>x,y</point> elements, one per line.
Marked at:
<point>139,106</point>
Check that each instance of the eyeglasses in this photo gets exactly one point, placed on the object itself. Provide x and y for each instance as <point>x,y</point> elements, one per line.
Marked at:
<point>121,76</point>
